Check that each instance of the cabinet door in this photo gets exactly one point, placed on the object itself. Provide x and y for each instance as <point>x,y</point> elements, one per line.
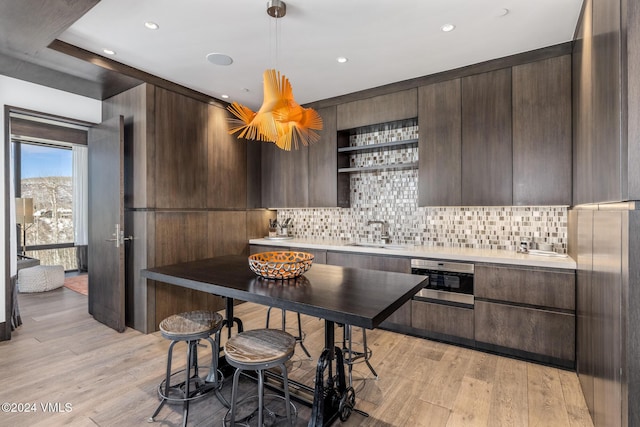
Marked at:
<point>542,132</point>
<point>537,287</point>
<point>442,319</point>
<point>378,109</point>
<point>538,332</point>
<point>180,170</point>
<point>227,157</point>
<point>440,143</point>
<point>402,316</point>
<point>486,139</point>
<point>284,177</point>
<point>323,163</point>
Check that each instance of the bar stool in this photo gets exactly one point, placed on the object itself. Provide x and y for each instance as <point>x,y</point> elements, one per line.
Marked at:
<point>190,327</point>
<point>352,356</point>
<point>299,338</point>
<point>258,350</point>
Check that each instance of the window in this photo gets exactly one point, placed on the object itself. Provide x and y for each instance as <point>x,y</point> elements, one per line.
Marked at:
<point>44,172</point>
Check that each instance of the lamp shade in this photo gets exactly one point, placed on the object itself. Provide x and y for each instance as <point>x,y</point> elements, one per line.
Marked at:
<point>280,119</point>
<point>24,210</point>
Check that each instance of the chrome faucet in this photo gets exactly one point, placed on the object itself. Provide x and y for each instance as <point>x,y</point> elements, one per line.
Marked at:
<point>385,237</point>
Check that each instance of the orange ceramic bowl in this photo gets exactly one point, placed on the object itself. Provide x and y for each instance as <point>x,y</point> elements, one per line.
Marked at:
<point>280,265</point>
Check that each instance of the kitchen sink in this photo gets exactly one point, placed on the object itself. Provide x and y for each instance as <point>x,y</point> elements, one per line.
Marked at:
<point>378,245</point>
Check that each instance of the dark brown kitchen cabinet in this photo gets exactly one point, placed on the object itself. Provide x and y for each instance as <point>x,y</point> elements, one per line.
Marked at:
<point>378,109</point>
<point>323,162</point>
<point>180,147</point>
<point>402,316</point>
<point>285,177</point>
<point>440,144</point>
<point>527,312</point>
<point>442,321</point>
<point>542,132</point>
<point>486,139</point>
<point>226,155</point>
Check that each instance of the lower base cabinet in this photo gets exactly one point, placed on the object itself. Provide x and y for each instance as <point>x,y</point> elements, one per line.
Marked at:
<point>442,321</point>
<point>536,334</point>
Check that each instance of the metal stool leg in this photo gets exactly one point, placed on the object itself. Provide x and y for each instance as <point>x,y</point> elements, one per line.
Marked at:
<point>167,382</point>
<point>234,396</point>
<point>367,353</point>
<point>287,398</point>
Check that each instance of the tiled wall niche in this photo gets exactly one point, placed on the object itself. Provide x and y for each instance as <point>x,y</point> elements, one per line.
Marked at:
<point>392,196</point>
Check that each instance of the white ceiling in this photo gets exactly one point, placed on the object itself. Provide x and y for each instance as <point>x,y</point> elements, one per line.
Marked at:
<point>385,41</point>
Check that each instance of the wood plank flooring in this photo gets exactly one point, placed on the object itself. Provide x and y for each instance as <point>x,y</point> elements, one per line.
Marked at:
<point>60,355</point>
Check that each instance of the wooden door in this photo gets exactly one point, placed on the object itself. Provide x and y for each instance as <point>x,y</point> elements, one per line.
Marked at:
<point>106,213</point>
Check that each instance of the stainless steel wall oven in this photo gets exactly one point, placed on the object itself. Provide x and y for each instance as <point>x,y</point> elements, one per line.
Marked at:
<point>449,282</point>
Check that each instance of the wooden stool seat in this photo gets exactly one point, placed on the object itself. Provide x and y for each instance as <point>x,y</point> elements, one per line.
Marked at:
<point>190,325</point>
<point>260,346</point>
<point>258,350</point>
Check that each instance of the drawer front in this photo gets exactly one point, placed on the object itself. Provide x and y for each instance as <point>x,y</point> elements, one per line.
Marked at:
<point>319,255</point>
<point>442,319</point>
<point>533,330</point>
<point>545,288</point>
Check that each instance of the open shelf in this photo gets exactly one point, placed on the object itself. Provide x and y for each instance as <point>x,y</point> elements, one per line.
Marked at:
<point>397,166</point>
<point>373,147</point>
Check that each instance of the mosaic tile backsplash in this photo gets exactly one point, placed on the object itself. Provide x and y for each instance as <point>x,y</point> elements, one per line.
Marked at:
<point>392,196</point>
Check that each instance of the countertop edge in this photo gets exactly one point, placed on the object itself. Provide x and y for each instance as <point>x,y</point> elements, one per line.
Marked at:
<point>489,256</point>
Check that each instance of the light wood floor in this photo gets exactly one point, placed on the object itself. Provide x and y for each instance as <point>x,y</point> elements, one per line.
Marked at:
<point>61,355</point>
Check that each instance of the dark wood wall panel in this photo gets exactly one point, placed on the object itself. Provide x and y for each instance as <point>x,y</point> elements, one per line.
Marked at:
<point>606,99</point>
<point>542,132</point>
<point>486,139</point>
<point>227,155</point>
<point>181,151</point>
<point>180,237</point>
<point>134,105</point>
<point>258,223</point>
<point>633,99</point>
<point>582,77</point>
<point>227,233</point>
<point>439,149</point>
<point>606,286</point>
<point>584,301</point>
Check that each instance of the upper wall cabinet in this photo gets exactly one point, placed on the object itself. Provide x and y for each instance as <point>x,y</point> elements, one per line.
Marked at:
<point>180,151</point>
<point>486,139</point>
<point>439,152</point>
<point>285,177</point>
<point>323,159</point>
<point>542,132</point>
<point>378,109</point>
<point>227,156</point>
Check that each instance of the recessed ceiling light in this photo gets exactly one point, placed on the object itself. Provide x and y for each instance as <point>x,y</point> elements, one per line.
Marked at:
<point>219,59</point>
<point>447,27</point>
<point>109,51</point>
<point>224,96</point>
<point>341,59</point>
<point>151,25</point>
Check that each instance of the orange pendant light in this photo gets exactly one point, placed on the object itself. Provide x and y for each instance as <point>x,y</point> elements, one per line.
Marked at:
<point>280,119</point>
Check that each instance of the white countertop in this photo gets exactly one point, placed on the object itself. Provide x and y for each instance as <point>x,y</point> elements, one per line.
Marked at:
<point>492,256</point>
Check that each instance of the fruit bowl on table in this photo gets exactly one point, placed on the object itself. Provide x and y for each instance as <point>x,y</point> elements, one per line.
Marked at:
<point>280,264</point>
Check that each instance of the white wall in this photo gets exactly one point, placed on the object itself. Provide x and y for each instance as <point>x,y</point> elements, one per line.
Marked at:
<point>18,93</point>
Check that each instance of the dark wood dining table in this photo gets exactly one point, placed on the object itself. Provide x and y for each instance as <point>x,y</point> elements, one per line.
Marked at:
<point>342,295</point>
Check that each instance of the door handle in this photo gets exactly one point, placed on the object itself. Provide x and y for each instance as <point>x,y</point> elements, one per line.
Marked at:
<point>118,237</point>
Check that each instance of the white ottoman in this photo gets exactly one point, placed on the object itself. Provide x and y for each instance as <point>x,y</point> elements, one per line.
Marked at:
<point>40,278</point>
